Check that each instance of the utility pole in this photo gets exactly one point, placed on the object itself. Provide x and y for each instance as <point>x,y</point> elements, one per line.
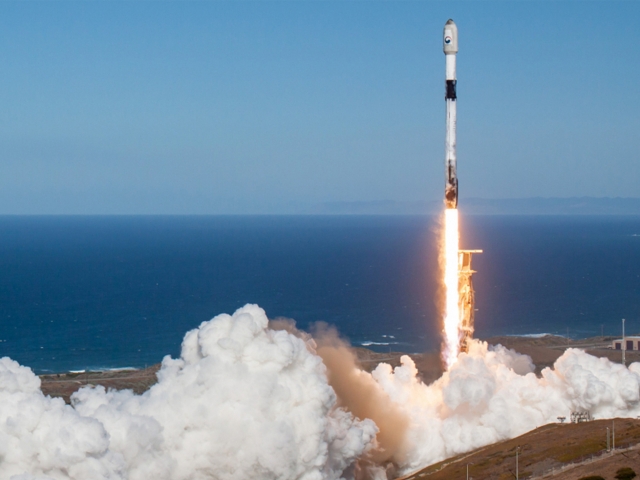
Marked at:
<point>613,435</point>
<point>517,450</point>
<point>624,346</point>
<point>467,471</point>
<point>608,444</point>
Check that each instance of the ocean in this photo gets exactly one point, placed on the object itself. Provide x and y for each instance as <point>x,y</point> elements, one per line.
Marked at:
<point>112,292</point>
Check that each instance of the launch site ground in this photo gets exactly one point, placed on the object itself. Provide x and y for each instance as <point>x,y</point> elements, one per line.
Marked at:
<point>559,451</point>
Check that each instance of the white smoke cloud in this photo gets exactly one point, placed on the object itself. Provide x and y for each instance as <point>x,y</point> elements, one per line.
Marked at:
<point>491,394</point>
<point>244,401</point>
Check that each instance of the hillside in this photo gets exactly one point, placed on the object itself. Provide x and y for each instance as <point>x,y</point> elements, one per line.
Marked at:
<point>558,451</point>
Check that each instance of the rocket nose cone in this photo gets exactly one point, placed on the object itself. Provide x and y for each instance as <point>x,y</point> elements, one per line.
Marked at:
<point>450,39</point>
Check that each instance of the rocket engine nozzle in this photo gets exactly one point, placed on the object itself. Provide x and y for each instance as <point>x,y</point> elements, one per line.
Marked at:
<point>451,195</point>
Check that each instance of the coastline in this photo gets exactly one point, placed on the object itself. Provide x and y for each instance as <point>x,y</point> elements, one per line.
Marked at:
<point>543,350</point>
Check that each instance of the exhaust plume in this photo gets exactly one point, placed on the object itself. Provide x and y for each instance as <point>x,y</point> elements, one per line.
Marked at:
<point>361,395</point>
<point>242,401</point>
<point>248,401</point>
<point>491,394</point>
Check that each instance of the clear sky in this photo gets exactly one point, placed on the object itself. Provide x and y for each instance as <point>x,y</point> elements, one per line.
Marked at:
<point>242,107</point>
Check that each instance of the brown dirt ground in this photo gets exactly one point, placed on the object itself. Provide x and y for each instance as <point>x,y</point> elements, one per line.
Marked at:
<point>64,384</point>
<point>548,447</point>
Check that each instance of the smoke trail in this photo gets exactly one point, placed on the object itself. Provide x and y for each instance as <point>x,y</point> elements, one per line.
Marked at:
<point>361,395</point>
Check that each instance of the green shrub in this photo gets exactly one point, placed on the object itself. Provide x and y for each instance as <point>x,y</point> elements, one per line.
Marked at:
<point>625,474</point>
<point>592,477</point>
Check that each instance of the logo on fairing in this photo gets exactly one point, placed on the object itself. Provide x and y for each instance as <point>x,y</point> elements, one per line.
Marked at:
<point>447,39</point>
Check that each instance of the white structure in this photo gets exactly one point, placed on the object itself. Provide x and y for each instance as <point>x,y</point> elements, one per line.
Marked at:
<point>628,343</point>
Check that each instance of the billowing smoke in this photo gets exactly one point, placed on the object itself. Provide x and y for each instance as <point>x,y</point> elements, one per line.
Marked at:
<point>361,395</point>
<point>491,394</point>
<point>248,401</point>
<point>242,402</point>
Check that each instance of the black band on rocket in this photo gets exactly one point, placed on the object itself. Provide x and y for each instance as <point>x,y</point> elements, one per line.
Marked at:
<point>451,89</point>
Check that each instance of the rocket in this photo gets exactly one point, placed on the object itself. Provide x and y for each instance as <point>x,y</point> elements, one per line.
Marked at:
<point>450,47</point>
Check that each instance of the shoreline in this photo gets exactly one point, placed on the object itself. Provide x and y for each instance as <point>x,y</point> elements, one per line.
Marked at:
<point>543,350</point>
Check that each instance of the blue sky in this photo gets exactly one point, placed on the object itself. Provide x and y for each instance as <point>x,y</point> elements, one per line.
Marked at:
<point>267,107</point>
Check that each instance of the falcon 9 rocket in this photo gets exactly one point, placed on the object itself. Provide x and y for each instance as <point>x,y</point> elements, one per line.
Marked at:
<point>450,46</point>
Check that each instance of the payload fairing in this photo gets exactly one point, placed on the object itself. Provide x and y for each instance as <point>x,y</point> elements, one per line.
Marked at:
<point>450,46</point>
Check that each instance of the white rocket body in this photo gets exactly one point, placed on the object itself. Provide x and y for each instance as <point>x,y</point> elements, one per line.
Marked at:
<point>450,47</point>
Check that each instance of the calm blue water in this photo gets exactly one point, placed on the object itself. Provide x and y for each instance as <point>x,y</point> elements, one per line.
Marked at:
<point>107,292</point>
